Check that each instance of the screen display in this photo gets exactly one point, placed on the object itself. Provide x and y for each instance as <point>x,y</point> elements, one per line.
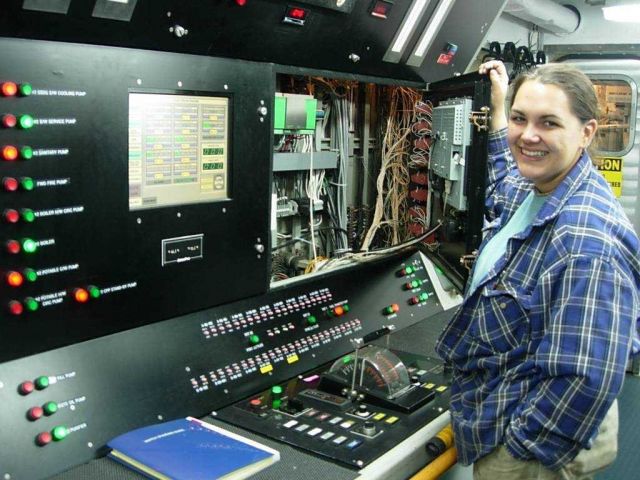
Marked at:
<point>178,149</point>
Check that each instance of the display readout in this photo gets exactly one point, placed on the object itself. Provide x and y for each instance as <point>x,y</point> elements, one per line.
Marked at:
<point>178,149</point>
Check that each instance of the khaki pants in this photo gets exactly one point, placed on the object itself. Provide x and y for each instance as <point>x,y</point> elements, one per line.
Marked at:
<point>500,465</point>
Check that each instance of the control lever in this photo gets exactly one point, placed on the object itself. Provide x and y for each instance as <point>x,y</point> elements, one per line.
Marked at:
<point>357,344</point>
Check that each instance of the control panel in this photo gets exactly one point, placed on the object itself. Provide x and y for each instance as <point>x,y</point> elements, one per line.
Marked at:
<point>62,406</point>
<point>126,200</point>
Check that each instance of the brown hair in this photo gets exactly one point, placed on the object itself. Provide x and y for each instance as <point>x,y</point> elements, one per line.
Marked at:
<point>574,83</point>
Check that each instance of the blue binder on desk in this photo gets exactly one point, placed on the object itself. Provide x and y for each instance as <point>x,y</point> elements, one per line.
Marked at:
<point>190,449</point>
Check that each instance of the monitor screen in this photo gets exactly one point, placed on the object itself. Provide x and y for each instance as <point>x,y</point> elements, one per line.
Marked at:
<point>178,149</point>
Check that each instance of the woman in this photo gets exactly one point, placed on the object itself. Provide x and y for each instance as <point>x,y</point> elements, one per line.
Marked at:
<point>540,344</point>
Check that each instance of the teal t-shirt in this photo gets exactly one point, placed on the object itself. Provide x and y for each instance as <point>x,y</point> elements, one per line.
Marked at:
<point>497,246</point>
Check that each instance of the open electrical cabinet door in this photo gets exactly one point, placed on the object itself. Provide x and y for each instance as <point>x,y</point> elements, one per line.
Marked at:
<point>457,172</point>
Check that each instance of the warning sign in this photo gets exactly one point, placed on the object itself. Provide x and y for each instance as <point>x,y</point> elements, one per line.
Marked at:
<point>611,170</point>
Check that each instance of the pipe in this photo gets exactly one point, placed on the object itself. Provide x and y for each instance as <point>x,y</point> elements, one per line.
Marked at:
<point>440,465</point>
<point>546,14</point>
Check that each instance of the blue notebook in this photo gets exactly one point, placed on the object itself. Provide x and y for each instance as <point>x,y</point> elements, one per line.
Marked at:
<point>190,449</point>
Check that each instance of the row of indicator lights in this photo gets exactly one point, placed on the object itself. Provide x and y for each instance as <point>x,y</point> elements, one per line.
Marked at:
<point>36,413</point>
<point>11,89</point>
<point>408,270</point>
<point>11,153</point>
<point>11,215</point>
<point>26,245</point>
<point>310,320</point>
<point>57,434</point>
<point>28,386</point>
<point>30,304</point>
<point>24,121</point>
<point>338,311</point>
<point>16,279</point>
<point>11,184</point>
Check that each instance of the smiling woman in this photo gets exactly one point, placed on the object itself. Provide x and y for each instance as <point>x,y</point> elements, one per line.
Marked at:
<point>540,343</point>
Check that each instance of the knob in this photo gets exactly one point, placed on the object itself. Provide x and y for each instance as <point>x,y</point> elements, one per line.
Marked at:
<point>362,410</point>
<point>369,428</point>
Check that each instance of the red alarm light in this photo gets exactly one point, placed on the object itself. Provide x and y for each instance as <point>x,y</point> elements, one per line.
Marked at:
<point>295,16</point>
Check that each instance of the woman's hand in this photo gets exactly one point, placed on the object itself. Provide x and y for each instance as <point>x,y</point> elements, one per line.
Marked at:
<point>499,88</point>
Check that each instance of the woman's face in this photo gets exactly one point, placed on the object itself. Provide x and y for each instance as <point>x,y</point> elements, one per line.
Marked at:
<point>545,137</point>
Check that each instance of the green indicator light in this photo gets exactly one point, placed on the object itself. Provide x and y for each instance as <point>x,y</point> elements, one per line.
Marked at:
<point>94,292</point>
<point>29,245</point>
<point>25,121</point>
<point>26,152</point>
<point>59,433</point>
<point>311,320</point>
<point>415,284</point>
<point>276,390</point>
<point>30,274</point>
<point>25,89</point>
<point>31,304</point>
<point>50,408</point>
<point>27,215</point>
<point>389,310</point>
<point>42,382</point>
<point>27,183</point>
<point>254,339</point>
<point>345,307</point>
<point>346,359</point>
<point>409,270</point>
<point>276,404</point>
<point>424,296</point>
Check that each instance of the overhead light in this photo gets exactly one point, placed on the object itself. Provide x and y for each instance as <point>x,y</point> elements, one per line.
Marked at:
<point>435,22</point>
<point>622,13</point>
<point>407,27</point>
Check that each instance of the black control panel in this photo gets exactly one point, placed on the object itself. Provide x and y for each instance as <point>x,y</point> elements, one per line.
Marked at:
<point>352,423</point>
<point>61,407</point>
<point>129,192</point>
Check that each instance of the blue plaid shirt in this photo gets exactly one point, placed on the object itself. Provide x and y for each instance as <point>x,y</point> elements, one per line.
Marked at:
<point>540,346</point>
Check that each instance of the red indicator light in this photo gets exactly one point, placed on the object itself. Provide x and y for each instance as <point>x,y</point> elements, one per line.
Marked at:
<point>297,13</point>
<point>380,9</point>
<point>15,279</point>
<point>241,3</point>
<point>255,402</point>
<point>9,153</point>
<point>15,307</point>
<point>10,184</point>
<point>9,89</point>
<point>13,246</point>
<point>9,121</point>
<point>35,413</point>
<point>43,438</point>
<point>81,295</point>
<point>11,216</point>
<point>26,388</point>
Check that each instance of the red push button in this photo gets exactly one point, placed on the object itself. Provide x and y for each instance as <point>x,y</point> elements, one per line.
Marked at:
<point>9,89</point>
<point>9,153</point>
<point>43,438</point>
<point>13,246</point>
<point>26,388</point>
<point>11,216</point>
<point>10,184</point>
<point>15,307</point>
<point>9,120</point>
<point>35,413</point>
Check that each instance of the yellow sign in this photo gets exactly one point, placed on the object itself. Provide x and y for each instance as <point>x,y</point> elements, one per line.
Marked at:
<point>611,170</point>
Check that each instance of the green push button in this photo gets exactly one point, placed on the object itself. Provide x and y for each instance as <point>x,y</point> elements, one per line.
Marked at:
<point>409,270</point>
<point>59,433</point>
<point>424,296</point>
<point>27,215</point>
<point>29,245</point>
<point>254,339</point>
<point>31,304</point>
<point>30,274</point>
<point>25,89</point>
<point>311,320</point>
<point>50,408</point>
<point>276,393</point>
<point>42,382</point>
<point>94,292</point>
<point>27,183</point>
<point>346,307</point>
<point>25,121</point>
<point>26,152</point>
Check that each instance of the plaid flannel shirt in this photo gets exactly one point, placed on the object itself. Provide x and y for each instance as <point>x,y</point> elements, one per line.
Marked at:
<point>540,346</point>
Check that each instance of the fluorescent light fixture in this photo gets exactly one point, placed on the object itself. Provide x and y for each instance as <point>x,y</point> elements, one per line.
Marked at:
<point>436,21</point>
<point>407,27</point>
<point>623,13</point>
